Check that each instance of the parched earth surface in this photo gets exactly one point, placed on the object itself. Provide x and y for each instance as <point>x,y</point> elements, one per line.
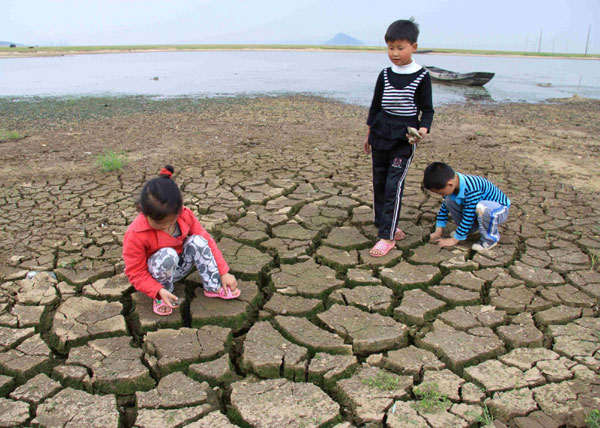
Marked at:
<point>323,334</point>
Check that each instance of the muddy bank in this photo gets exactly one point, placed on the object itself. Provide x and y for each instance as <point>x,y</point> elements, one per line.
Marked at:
<point>436,337</point>
<point>64,136</point>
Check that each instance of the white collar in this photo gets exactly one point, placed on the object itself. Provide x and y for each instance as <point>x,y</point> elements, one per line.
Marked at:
<point>406,69</point>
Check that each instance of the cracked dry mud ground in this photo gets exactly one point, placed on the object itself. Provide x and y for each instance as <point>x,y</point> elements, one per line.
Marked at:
<point>323,334</point>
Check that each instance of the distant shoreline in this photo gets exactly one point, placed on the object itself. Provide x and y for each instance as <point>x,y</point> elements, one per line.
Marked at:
<point>25,52</point>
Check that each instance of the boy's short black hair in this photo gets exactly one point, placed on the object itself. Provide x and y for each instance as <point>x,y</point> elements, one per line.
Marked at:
<point>437,175</point>
<point>403,29</point>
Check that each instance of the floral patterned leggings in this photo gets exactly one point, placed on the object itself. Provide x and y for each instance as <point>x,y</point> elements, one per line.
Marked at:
<point>167,267</point>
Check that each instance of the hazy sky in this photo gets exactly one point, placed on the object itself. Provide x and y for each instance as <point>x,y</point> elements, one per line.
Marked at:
<point>471,24</point>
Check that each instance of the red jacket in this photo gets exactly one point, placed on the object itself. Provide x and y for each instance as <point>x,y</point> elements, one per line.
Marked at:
<point>141,241</point>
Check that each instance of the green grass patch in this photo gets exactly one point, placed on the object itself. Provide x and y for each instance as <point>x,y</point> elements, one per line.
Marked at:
<point>593,419</point>
<point>430,399</point>
<point>10,135</point>
<point>111,161</point>
<point>384,381</point>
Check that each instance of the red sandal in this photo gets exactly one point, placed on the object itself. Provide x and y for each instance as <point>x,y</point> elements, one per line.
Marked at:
<point>223,293</point>
<point>383,248</point>
<point>159,304</point>
<point>399,235</point>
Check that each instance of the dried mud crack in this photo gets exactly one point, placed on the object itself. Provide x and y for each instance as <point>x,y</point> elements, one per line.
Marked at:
<point>323,335</point>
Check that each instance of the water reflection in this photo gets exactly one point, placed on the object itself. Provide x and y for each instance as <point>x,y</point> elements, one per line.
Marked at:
<point>345,76</point>
<point>468,93</point>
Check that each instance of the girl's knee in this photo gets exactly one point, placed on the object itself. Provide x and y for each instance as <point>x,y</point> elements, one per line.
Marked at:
<point>166,258</point>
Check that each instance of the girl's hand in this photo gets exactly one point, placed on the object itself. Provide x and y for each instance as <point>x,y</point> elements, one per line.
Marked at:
<point>423,132</point>
<point>367,146</point>
<point>167,297</point>
<point>228,280</point>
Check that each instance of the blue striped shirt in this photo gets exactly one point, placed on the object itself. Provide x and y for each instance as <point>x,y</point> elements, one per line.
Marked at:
<point>472,190</point>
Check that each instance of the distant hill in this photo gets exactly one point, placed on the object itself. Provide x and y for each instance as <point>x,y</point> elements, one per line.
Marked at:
<point>341,39</point>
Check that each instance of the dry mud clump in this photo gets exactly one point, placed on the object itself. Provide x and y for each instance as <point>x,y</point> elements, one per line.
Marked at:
<point>323,335</point>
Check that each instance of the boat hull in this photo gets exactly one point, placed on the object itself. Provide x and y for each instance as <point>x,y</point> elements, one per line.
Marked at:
<point>477,78</point>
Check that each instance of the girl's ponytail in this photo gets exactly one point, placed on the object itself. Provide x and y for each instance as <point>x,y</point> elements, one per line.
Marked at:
<point>161,197</point>
<point>167,171</point>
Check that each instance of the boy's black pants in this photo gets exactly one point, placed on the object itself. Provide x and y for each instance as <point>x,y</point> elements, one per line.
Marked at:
<point>389,173</point>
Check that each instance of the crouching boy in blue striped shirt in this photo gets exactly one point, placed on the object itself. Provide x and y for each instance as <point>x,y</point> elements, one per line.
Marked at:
<point>474,203</point>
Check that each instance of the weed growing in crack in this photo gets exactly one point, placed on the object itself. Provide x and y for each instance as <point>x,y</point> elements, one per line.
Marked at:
<point>10,135</point>
<point>485,417</point>
<point>593,419</point>
<point>382,380</point>
<point>593,260</point>
<point>111,161</point>
<point>430,399</point>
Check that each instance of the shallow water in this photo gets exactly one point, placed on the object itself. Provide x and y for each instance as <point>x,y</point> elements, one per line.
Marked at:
<point>345,76</point>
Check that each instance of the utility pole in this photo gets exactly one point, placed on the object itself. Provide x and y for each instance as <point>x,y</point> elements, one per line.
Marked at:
<point>540,43</point>
<point>526,42</point>
<point>587,43</point>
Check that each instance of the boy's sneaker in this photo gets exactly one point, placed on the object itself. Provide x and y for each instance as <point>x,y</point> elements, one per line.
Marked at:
<point>484,245</point>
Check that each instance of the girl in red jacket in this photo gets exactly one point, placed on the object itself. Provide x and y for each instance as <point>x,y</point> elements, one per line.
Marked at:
<point>165,241</point>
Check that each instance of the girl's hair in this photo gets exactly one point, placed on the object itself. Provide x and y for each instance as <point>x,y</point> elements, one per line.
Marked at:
<point>437,175</point>
<point>160,196</point>
<point>403,29</point>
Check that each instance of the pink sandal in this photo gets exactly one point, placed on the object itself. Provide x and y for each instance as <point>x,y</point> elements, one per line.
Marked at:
<point>383,248</point>
<point>399,235</point>
<point>159,304</point>
<point>223,293</point>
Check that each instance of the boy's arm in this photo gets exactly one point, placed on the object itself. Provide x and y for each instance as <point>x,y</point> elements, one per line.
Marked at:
<point>425,102</point>
<point>442,217</point>
<point>376,102</point>
<point>469,215</point>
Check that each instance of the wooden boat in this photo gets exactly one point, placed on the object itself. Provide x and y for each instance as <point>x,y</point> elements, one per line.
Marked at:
<point>476,78</point>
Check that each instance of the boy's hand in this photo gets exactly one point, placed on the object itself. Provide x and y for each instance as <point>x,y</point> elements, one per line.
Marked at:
<point>167,297</point>
<point>366,145</point>
<point>423,132</point>
<point>228,280</point>
<point>437,235</point>
<point>448,242</point>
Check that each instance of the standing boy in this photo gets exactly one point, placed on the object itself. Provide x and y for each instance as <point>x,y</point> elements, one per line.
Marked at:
<point>474,203</point>
<point>402,93</point>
